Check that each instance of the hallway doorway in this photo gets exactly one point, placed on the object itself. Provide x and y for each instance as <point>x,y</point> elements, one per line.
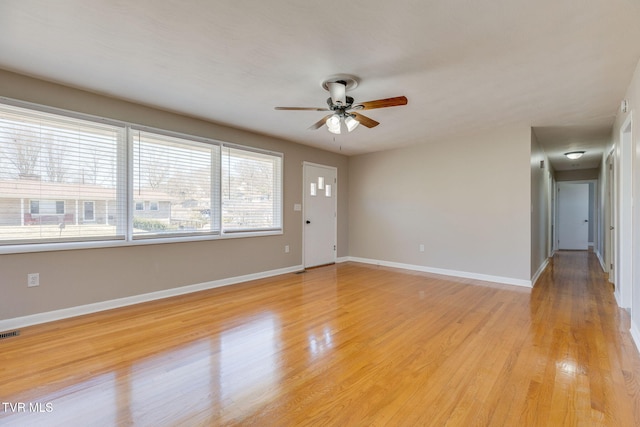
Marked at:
<point>573,216</point>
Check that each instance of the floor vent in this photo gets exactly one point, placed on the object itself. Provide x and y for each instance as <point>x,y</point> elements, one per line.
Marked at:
<point>4,335</point>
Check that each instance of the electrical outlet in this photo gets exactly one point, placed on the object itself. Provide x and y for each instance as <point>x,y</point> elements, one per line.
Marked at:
<point>286,249</point>
<point>421,248</point>
<point>33,279</point>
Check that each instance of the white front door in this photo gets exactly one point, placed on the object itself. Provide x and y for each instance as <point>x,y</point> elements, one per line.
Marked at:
<point>320,214</point>
<point>573,216</point>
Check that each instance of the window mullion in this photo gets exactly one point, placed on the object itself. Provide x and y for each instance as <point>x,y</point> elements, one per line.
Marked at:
<point>216,179</point>
<point>126,195</point>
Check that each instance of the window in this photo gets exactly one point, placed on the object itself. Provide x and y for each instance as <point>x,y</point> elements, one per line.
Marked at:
<point>71,179</point>
<point>49,164</point>
<point>46,207</point>
<point>34,208</point>
<point>89,211</point>
<point>179,172</point>
<point>251,190</point>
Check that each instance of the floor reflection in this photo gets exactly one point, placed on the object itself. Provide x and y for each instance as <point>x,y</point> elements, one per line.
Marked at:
<point>99,397</point>
<point>249,368</point>
<point>569,367</point>
<point>321,342</point>
<point>161,385</point>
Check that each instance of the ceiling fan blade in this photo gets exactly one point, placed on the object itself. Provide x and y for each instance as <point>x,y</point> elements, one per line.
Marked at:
<point>338,92</point>
<point>365,121</point>
<point>381,103</point>
<point>319,123</point>
<point>302,108</point>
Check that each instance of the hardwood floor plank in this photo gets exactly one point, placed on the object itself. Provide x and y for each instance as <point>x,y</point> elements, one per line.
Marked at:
<point>340,345</point>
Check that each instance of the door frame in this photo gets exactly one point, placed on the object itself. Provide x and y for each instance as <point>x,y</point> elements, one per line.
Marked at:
<point>612,222</point>
<point>624,218</point>
<point>306,164</point>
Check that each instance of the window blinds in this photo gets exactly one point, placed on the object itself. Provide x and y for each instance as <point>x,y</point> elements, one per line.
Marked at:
<point>70,179</point>
<point>251,190</point>
<point>174,185</point>
<point>50,165</point>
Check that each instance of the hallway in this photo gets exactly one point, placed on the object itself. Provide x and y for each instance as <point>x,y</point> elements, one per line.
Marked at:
<point>583,334</point>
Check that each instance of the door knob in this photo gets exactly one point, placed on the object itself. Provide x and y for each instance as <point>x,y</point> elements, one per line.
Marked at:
<point>308,222</point>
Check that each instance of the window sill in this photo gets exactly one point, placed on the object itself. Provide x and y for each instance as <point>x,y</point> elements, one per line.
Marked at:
<point>69,246</point>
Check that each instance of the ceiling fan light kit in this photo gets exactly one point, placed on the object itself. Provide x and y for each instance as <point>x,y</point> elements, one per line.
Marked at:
<point>341,105</point>
<point>351,123</point>
<point>333,124</point>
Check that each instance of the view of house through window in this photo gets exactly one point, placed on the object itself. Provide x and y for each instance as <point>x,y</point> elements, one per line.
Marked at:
<point>66,179</point>
<point>50,167</point>
<point>174,178</point>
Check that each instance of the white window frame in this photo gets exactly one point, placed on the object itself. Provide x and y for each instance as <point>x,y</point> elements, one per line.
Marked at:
<point>125,192</point>
<point>277,181</point>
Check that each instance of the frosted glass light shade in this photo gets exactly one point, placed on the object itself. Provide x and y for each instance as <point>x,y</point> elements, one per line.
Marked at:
<point>333,124</point>
<point>351,123</point>
<point>573,155</point>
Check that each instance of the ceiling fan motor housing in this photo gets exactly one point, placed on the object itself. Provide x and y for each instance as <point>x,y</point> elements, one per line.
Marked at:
<point>337,108</point>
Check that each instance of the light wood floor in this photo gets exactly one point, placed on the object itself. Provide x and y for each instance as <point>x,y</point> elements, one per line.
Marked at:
<point>343,345</point>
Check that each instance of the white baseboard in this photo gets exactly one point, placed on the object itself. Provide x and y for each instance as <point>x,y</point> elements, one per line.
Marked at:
<point>536,276</point>
<point>445,272</point>
<point>616,297</point>
<point>601,261</point>
<point>50,316</point>
<point>342,259</point>
<point>635,334</point>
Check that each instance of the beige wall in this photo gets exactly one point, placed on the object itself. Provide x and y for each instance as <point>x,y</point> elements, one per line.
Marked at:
<point>577,175</point>
<point>540,206</point>
<point>466,199</point>
<point>78,277</point>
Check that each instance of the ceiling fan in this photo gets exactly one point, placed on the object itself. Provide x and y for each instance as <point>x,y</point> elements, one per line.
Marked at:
<point>343,108</point>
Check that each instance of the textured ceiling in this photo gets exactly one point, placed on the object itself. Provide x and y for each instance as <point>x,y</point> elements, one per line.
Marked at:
<point>465,66</point>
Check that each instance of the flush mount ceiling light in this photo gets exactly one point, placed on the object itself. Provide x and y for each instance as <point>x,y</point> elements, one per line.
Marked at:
<point>573,155</point>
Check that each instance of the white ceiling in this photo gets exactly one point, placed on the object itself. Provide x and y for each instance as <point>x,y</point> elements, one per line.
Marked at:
<point>561,66</point>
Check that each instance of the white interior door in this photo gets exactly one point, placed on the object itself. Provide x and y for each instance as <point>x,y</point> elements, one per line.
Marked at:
<point>573,216</point>
<point>320,214</point>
